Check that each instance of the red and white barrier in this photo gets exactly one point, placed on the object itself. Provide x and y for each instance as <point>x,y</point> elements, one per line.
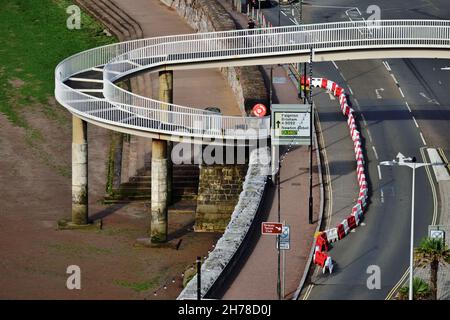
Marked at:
<point>354,219</point>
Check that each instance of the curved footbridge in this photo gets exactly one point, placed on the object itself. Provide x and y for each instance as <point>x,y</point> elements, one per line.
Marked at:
<point>86,84</point>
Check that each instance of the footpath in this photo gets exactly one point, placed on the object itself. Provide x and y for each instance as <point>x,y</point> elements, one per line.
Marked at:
<point>257,278</point>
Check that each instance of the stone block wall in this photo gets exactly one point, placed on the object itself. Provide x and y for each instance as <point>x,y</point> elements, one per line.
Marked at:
<point>218,193</point>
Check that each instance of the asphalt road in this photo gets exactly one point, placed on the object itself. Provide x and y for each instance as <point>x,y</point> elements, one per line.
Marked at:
<point>389,127</point>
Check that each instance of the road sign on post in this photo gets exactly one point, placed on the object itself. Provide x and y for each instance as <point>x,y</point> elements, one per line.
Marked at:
<point>291,124</point>
<point>285,239</point>
<point>437,231</point>
<point>271,228</point>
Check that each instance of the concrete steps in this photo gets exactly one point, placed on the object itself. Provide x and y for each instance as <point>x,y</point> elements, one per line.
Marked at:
<point>138,188</point>
<point>114,18</point>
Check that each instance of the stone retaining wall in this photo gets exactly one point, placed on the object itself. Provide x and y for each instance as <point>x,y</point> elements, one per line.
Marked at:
<point>247,83</point>
<point>218,192</point>
<point>230,246</point>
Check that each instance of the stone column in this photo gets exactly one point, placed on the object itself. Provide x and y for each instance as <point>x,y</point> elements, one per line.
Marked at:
<point>79,172</point>
<point>158,228</point>
<point>166,95</point>
<point>161,167</point>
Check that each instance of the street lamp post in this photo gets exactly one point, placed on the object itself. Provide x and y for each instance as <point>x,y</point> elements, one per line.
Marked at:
<point>411,163</point>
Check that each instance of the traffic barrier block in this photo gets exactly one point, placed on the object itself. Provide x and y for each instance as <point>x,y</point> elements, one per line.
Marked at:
<point>346,227</point>
<point>322,243</point>
<point>332,235</point>
<point>320,258</point>
<point>357,211</point>
<point>341,231</point>
<point>357,216</point>
<point>351,222</point>
<point>362,201</point>
<point>328,265</point>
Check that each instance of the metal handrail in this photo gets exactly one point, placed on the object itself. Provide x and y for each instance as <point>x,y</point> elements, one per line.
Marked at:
<point>127,109</point>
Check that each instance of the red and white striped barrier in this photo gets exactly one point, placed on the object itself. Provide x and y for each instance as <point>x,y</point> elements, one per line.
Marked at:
<point>354,218</point>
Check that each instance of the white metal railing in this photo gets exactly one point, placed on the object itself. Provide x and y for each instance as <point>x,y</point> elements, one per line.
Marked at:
<point>123,108</point>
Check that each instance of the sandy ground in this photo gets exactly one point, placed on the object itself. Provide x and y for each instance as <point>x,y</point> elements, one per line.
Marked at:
<point>35,192</point>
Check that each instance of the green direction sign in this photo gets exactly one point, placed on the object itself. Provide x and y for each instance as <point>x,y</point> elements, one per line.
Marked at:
<point>290,124</point>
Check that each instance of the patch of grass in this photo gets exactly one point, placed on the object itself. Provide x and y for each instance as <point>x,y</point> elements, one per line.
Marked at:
<point>139,286</point>
<point>34,40</point>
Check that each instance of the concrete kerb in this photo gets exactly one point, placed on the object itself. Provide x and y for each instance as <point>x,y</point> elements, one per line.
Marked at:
<point>232,244</point>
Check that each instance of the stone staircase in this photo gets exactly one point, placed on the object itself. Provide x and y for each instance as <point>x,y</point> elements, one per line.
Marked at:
<point>138,188</point>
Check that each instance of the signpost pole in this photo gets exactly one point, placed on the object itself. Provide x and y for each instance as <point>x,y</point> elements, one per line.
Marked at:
<point>284,270</point>
<point>278,236</point>
<point>311,122</point>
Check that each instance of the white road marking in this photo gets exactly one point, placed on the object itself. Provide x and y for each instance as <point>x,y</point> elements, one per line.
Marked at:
<point>364,120</point>
<point>407,105</point>
<point>362,224</point>
<point>423,139</point>
<point>97,69</point>
<point>378,93</point>
<point>381,195</point>
<point>379,172</point>
<point>292,21</point>
<point>343,77</point>
<point>386,64</point>
<point>350,89</point>
<point>415,122</point>
<point>284,13</point>
<point>375,152</point>
<point>393,77</point>
<point>370,135</point>
<point>401,92</point>
<point>335,65</point>
<point>429,99</point>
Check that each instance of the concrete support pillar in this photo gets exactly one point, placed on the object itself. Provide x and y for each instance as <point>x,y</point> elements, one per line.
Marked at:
<point>158,228</point>
<point>79,172</point>
<point>166,95</point>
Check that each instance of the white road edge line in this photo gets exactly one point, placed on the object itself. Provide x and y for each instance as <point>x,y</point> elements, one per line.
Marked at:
<point>386,64</point>
<point>407,105</point>
<point>401,92</point>
<point>423,139</point>
<point>335,65</point>
<point>415,122</point>
<point>375,152</point>
<point>350,89</point>
<point>393,77</point>
<point>292,21</point>
<point>379,172</point>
